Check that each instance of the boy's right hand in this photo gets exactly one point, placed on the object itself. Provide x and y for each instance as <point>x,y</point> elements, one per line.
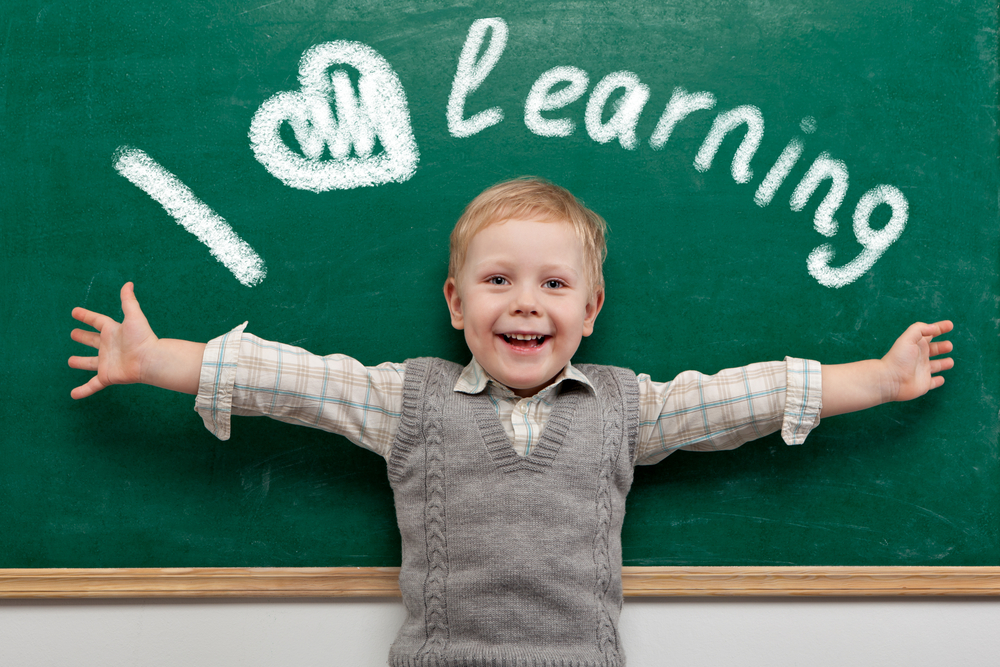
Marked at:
<point>129,352</point>
<point>121,348</point>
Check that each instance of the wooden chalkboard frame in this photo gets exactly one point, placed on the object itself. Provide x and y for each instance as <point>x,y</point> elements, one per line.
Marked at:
<point>362,582</point>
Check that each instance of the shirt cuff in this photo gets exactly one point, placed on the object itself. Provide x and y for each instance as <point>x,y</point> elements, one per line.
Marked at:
<point>214,401</point>
<point>803,399</point>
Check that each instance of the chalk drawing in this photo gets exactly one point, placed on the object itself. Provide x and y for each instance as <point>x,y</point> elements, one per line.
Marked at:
<point>626,114</point>
<point>724,124</point>
<point>822,168</point>
<point>378,111</point>
<point>472,71</point>
<point>680,106</point>
<point>540,99</point>
<point>875,242</point>
<point>191,213</point>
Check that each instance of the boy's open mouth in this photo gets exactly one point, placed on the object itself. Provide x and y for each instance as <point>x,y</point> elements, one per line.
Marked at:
<point>525,340</point>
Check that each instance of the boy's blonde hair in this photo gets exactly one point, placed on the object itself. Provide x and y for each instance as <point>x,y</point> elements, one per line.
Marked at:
<point>535,199</point>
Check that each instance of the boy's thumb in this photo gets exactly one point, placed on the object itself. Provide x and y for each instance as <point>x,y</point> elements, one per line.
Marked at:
<point>130,305</point>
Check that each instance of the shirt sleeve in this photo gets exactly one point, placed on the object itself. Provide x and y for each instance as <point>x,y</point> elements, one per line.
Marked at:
<point>244,375</point>
<point>723,411</point>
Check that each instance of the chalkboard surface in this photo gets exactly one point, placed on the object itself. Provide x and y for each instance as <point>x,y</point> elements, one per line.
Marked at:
<point>780,178</point>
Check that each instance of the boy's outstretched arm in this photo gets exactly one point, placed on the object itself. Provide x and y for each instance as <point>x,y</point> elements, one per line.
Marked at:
<point>129,352</point>
<point>906,372</point>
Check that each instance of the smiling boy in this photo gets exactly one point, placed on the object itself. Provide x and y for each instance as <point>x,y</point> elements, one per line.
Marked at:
<point>510,474</point>
<point>524,307</point>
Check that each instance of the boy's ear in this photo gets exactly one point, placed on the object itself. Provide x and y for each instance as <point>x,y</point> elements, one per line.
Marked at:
<point>593,308</point>
<point>454,300</point>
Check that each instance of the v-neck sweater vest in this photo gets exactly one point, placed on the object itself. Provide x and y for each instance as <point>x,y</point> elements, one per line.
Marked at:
<point>511,560</point>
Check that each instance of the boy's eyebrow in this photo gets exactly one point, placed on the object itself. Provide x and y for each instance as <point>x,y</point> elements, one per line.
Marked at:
<point>488,264</point>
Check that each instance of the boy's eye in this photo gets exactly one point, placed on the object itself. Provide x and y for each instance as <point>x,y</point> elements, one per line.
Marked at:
<point>554,284</point>
<point>496,280</point>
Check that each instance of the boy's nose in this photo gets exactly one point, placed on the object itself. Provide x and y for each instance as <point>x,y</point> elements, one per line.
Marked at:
<point>524,303</point>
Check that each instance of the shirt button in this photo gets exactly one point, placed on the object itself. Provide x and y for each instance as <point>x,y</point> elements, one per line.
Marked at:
<point>523,408</point>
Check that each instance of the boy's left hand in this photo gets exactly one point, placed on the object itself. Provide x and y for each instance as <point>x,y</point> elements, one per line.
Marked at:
<point>909,367</point>
<point>906,372</point>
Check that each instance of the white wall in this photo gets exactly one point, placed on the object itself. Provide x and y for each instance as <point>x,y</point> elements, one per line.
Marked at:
<point>920,632</point>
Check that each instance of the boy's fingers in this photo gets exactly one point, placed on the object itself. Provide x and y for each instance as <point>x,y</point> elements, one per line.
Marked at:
<point>82,314</point>
<point>89,389</point>
<point>941,347</point>
<point>937,328</point>
<point>938,365</point>
<point>130,305</point>
<point>95,320</point>
<point>91,338</point>
<point>915,332</point>
<point>83,363</point>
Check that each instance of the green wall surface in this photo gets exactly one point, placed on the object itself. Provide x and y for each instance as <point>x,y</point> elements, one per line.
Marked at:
<point>780,178</point>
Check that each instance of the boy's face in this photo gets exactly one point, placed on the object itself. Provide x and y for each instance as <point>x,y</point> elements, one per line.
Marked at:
<point>524,300</point>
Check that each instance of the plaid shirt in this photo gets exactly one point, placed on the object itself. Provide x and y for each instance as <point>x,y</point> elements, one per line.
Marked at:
<point>245,375</point>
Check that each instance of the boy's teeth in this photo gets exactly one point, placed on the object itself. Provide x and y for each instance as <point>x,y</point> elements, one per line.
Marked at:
<point>525,337</point>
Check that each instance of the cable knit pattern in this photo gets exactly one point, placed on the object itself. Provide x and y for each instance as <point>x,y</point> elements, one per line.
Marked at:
<point>410,424</point>
<point>511,560</point>
<point>435,516</point>
<point>614,433</point>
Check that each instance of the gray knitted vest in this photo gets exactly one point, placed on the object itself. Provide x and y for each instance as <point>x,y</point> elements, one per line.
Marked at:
<point>511,560</point>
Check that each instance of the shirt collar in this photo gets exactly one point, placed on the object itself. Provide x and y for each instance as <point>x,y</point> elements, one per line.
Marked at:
<point>475,379</point>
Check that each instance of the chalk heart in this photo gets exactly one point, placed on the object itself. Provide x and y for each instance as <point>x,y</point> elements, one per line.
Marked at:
<point>327,161</point>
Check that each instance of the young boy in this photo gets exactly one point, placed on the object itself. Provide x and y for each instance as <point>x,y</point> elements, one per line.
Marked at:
<point>510,474</point>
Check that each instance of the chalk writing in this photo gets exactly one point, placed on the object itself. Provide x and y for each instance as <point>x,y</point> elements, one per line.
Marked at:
<point>541,99</point>
<point>875,242</point>
<point>191,213</point>
<point>471,73</point>
<point>681,104</point>
<point>623,121</point>
<point>724,124</point>
<point>473,70</point>
<point>779,172</point>
<point>822,168</point>
<point>378,111</point>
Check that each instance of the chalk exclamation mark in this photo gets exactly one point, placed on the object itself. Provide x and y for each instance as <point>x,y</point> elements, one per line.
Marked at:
<point>191,213</point>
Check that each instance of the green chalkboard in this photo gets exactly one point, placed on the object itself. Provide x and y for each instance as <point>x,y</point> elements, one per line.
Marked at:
<point>849,120</point>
